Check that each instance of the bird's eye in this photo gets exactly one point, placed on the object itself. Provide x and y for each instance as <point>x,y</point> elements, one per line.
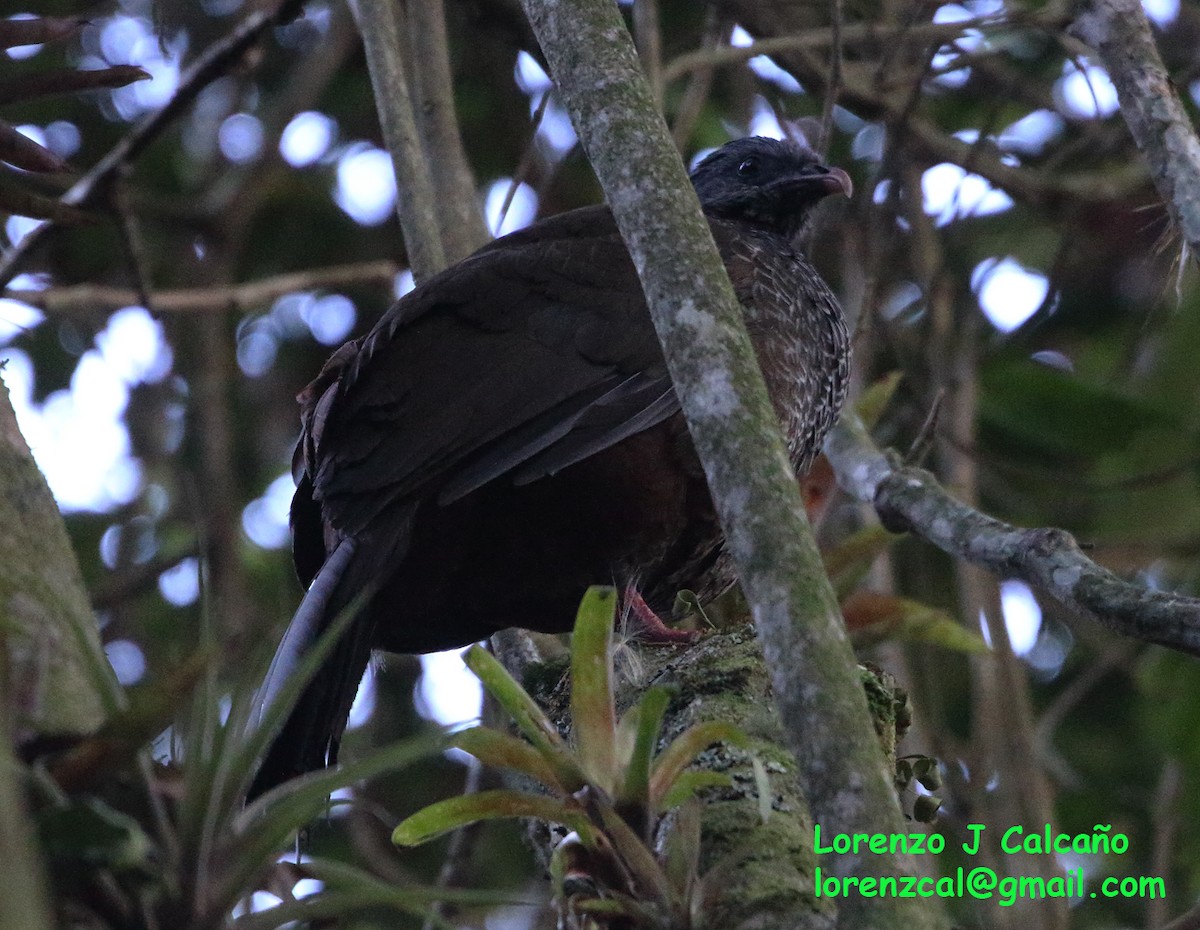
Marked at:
<point>748,168</point>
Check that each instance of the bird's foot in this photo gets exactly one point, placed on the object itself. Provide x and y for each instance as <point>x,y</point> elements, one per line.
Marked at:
<point>649,628</point>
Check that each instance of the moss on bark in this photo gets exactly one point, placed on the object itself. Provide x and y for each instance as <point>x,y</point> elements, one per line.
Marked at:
<point>766,869</point>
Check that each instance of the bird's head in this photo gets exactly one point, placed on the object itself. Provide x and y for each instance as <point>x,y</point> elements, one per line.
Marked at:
<point>770,183</point>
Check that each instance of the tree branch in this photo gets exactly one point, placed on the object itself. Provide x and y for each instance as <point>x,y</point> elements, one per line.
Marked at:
<point>212,63</point>
<point>457,203</point>
<point>850,34</point>
<point>379,23</point>
<point>1119,31</point>
<point>87,300</point>
<point>813,672</point>
<point>910,498</point>
<point>57,678</point>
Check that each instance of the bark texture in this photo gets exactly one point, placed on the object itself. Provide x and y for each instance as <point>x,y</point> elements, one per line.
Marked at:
<point>58,679</point>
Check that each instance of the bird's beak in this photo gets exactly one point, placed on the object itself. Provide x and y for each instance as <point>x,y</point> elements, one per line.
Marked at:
<point>836,181</point>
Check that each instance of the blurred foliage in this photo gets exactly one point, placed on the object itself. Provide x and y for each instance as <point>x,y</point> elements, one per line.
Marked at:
<point>1086,414</point>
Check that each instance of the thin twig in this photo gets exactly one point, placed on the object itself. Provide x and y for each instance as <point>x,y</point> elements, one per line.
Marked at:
<point>131,239</point>
<point>1116,655</point>
<point>526,162</point>
<point>212,63</point>
<point>920,446</point>
<point>138,578</point>
<point>855,33</point>
<point>1166,825</point>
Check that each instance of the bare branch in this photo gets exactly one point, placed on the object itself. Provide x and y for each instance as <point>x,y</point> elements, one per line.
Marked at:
<point>850,34</point>
<point>910,498</point>
<point>1119,31</point>
<point>459,216</point>
<point>648,37</point>
<point>379,24</point>
<point>699,86</point>
<point>86,300</point>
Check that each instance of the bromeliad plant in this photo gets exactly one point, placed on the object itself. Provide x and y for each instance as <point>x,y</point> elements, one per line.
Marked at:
<point>610,788</point>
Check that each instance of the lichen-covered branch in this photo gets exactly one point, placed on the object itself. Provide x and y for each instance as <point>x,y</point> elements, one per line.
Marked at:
<point>1119,31</point>
<point>910,498</point>
<point>813,673</point>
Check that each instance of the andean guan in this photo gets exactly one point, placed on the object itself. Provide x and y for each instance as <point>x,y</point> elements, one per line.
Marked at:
<point>507,435</point>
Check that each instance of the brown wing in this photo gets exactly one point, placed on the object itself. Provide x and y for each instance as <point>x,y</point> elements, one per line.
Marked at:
<point>531,354</point>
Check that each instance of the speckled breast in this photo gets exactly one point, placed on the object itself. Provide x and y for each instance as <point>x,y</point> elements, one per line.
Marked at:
<point>803,346</point>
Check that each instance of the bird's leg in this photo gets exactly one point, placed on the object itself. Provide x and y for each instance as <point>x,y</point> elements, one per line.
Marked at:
<point>648,626</point>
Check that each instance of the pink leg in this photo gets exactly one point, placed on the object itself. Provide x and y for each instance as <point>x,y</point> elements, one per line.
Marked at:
<point>649,627</point>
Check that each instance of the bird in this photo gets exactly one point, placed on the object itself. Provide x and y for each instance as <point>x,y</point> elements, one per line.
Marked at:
<point>507,435</point>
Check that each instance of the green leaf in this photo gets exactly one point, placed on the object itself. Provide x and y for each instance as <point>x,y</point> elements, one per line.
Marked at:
<point>452,813</point>
<point>640,728</point>
<point>683,751</point>
<point>527,716</point>
<point>637,859</point>
<point>1052,413</point>
<point>873,618</point>
<point>872,402</point>
<point>500,750</point>
<point>263,827</point>
<point>762,786</point>
<point>848,563</point>
<point>592,711</point>
<point>92,833</point>
<point>681,848</point>
<point>340,876</point>
<point>317,909</point>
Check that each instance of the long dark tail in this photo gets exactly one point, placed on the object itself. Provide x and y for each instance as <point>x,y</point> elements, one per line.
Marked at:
<point>309,739</point>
